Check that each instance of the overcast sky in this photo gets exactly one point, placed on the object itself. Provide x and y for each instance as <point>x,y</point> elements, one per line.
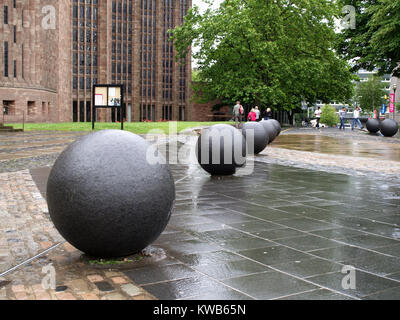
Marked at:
<point>204,6</point>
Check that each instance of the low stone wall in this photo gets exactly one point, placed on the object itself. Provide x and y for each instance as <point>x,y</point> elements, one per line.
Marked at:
<point>203,111</point>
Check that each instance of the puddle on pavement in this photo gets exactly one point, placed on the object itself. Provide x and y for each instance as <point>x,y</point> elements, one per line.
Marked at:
<point>345,147</point>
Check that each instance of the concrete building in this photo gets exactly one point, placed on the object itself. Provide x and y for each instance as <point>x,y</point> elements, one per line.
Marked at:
<point>54,51</point>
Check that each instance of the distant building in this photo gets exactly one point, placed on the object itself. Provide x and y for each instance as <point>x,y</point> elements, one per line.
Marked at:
<point>48,71</point>
<point>363,75</point>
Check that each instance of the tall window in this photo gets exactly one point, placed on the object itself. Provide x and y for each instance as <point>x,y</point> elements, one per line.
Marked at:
<point>22,61</point>
<point>6,59</point>
<point>167,56</point>
<point>5,14</point>
<point>148,50</point>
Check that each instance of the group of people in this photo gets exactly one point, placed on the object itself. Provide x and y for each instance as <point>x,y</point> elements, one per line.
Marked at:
<point>356,118</point>
<point>342,116</point>
<point>254,114</point>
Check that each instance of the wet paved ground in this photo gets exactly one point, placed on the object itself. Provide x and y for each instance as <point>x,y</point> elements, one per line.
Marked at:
<point>280,233</point>
<point>383,150</point>
<point>354,153</point>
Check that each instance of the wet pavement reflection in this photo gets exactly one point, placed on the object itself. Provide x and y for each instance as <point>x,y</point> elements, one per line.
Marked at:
<point>281,233</point>
<point>278,233</point>
<point>339,146</point>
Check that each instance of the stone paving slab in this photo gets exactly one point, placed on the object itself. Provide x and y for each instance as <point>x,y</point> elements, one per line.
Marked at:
<point>216,252</point>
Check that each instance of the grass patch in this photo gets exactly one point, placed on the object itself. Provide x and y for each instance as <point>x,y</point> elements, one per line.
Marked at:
<point>135,127</point>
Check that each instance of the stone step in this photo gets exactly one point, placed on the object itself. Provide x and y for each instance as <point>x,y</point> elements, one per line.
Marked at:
<point>7,129</point>
<point>10,130</point>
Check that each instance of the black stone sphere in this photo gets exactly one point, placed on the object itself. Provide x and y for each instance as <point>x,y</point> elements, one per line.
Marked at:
<point>260,136</point>
<point>270,129</point>
<point>277,126</point>
<point>106,198</point>
<point>221,149</point>
<point>389,127</point>
<point>373,125</point>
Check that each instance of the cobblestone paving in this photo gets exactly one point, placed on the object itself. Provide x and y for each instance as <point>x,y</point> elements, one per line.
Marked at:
<point>26,231</point>
<point>24,227</point>
<point>27,150</point>
<point>281,233</point>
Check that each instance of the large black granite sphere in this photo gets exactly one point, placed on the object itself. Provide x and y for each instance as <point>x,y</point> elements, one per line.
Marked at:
<point>389,127</point>
<point>259,140</point>
<point>106,198</point>
<point>373,125</point>
<point>277,126</point>
<point>270,129</point>
<point>221,149</point>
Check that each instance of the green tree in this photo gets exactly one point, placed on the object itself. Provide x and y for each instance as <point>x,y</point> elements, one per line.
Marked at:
<point>195,75</point>
<point>269,53</point>
<point>370,94</point>
<point>375,41</point>
<point>329,115</point>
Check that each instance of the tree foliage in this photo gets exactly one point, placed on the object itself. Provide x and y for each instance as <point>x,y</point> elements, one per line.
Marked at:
<point>270,53</point>
<point>375,42</point>
<point>370,94</point>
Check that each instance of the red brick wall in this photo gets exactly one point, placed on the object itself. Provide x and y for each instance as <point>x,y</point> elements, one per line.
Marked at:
<point>203,111</point>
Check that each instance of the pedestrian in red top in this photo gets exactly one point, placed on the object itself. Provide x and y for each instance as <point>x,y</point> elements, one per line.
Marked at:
<point>252,115</point>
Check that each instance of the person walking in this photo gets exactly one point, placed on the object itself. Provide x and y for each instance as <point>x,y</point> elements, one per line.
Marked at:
<point>252,116</point>
<point>237,114</point>
<point>356,118</point>
<point>268,114</point>
<point>257,111</point>
<point>342,115</point>
<point>317,114</point>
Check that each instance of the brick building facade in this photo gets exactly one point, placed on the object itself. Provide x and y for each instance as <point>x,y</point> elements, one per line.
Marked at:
<point>52,52</point>
<point>34,60</point>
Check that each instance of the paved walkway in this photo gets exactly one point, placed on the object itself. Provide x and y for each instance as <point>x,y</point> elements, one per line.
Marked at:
<point>281,233</point>
<point>351,152</point>
<point>33,149</point>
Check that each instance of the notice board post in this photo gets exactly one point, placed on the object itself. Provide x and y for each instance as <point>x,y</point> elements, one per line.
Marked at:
<point>108,96</point>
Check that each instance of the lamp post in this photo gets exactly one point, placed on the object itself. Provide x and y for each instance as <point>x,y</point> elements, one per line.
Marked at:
<point>394,100</point>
